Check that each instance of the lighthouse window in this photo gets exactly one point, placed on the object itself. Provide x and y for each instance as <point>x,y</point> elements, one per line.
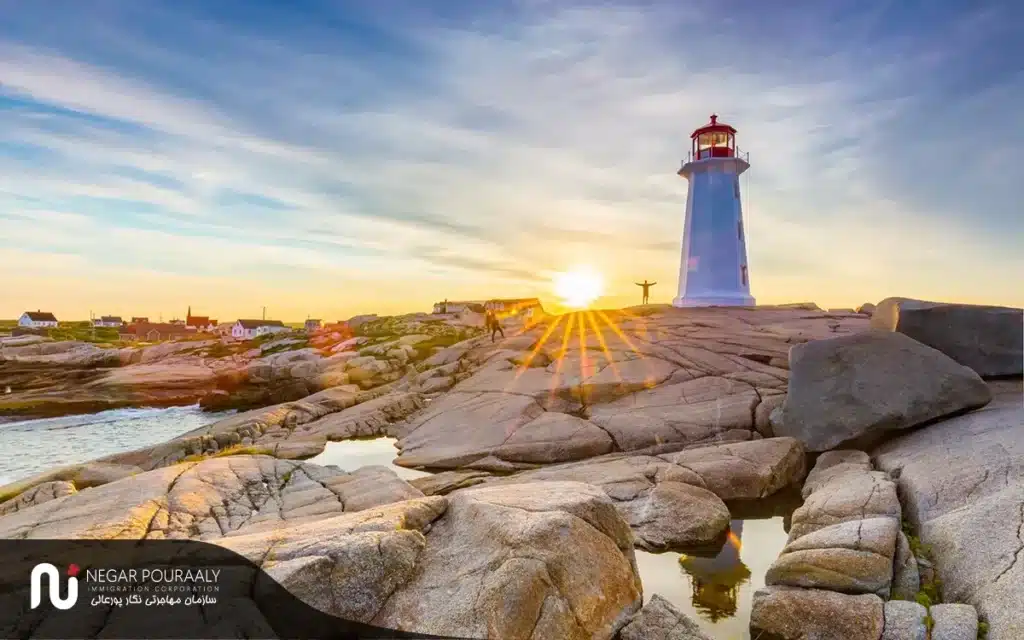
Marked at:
<point>739,230</point>
<point>743,274</point>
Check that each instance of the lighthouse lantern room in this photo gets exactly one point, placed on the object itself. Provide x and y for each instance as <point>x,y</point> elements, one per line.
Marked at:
<point>713,269</point>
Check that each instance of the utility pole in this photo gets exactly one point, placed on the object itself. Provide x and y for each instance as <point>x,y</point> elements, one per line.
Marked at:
<point>264,313</point>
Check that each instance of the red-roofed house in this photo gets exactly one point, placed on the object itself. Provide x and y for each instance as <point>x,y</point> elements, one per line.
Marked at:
<point>199,323</point>
<point>153,331</point>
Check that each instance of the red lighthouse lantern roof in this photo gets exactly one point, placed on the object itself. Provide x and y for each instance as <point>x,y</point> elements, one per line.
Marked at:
<point>713,127</point>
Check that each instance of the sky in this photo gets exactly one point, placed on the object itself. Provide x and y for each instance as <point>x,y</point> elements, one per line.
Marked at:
<point>327,159</point>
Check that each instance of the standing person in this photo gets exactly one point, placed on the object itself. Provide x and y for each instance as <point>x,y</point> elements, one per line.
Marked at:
<point>493,325</point>
<point>646,287</point>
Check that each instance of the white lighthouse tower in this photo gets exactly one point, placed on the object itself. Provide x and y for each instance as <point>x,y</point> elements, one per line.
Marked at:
<point>713,271</point>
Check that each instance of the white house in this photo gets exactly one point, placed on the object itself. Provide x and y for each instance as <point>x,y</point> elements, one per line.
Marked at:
<point>37,319</point>
<point>458,306</point>
<point>514,306</point>
<point>313,325</point>
<point>248,329</point>
<point>108,321</point>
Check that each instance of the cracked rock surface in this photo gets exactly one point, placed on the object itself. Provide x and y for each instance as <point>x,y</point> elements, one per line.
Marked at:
<point>206,500</point>
<point>602,382</point>
<point>962,485</point>
<point>844,537</point>
<point>659,620</point>
<point>677,499</point>
<point>533,561</point>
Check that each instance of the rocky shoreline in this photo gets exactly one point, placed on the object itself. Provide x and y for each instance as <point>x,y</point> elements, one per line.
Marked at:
<point>641,428</point>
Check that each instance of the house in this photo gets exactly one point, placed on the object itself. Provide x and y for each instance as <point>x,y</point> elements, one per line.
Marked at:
<point>199,323</point>
<point>139,320</point>
<point>458,306</point>
<point>514,306</point>
<point>108,321</point>
<point>37,319</point>
<point>312,325</point>
<point>248,329</point>
<point>152,331</point>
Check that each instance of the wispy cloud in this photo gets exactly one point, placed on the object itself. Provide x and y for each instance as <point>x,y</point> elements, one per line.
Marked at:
<point>338,159</point>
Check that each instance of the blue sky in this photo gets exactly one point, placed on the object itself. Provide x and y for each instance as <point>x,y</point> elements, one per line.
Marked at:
<point>331,158</point>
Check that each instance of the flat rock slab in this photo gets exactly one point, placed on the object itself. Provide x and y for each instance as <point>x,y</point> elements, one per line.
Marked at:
<point>954,622</point>
<point>659,620</point>
<point>962,483</point>
<point>987,339</point>
<point>288,430</point>
<point>905,620</point>
<point>786,613</point>
<point>613,382</point>
<point>855,389</point>
<point>208,499</point>
<point>676,500</point>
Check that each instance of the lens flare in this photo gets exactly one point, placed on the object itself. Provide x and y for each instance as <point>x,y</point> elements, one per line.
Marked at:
<point>578,287</point>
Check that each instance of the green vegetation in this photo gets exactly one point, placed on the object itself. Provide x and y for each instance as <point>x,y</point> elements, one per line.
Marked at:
<point>930,589</point>
<point>83,331</point>
<point>982,630</point>
<point>11,494</point>
<point>233,450</point>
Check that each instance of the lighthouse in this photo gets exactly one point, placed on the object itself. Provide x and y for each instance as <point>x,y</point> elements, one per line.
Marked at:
<point>713,270</point>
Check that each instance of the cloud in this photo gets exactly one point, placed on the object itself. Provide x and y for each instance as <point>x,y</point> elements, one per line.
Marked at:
<point>472,152</point>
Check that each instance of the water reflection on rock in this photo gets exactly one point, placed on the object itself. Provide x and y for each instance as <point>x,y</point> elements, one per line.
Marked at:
<point>715,584</point>
<point>349,455</point>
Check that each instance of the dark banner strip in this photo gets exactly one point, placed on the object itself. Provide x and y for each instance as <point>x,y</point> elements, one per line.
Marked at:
<point>162,589</point>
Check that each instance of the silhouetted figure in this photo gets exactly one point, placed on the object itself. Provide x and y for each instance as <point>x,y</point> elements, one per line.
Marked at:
<point>492,324</point>
<point>646,287</point>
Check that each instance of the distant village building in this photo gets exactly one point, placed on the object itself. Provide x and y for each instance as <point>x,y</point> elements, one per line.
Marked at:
<point>37,320</point>
<point>199,323</point>
<point>514,306</point>
<point>248,329</point>
<point>139,319</point>
<point>312,325</point>
<point>152,331</point>
<point>108,321</point>
<point>458,306</point>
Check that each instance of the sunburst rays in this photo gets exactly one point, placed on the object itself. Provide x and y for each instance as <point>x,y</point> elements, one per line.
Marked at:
<point>581,323</point>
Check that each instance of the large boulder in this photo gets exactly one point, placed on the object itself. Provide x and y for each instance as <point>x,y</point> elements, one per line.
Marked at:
<point>853,390</point>
<point>988,339</point>
<point>553,561</point>
<point>500,564</point>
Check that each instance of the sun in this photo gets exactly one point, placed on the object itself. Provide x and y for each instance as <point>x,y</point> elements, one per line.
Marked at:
<point>578,287</point>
